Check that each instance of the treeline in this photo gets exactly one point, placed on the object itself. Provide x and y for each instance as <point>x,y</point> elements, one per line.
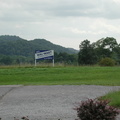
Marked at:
<point>93,53</point>
<point>63,58</point>
<point>14,50</point>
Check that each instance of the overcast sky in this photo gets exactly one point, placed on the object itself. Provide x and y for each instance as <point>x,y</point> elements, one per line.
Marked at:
<point>63,22</point>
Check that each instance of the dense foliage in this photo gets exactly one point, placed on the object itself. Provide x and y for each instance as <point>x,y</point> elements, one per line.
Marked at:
<point>14,45</point>
<point>107,62</point>
<point>62,58</point>
<point>87,54</point>
<point>92,53</point>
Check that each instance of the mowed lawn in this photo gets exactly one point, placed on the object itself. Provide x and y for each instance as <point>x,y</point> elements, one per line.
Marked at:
<point>60,76</point>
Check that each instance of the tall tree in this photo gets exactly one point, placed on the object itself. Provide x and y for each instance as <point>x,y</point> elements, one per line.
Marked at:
<point>116,54</point>
<point>86,54</point>
<point>105,47</point>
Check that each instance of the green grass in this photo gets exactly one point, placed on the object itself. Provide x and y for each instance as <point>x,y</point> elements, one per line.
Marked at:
<point>113,97</point>
<point>60,76</point>
<point>64,76</point>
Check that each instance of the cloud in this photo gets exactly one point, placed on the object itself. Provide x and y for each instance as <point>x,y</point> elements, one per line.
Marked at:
<point>117,1</point>
<point>19,26</point>
<point>30,10</point>
<point>61,21</point>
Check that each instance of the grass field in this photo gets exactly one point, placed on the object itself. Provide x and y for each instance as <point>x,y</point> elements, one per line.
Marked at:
<point>63,76</point>
<point>60,76</point>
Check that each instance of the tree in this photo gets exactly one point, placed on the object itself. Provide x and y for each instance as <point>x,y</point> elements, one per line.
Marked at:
<point>108,42</point>
<point>6,60</point>
<point>105,47</point>
<point>86,54</point>
<point>116,54</point>
<point>66,58</point>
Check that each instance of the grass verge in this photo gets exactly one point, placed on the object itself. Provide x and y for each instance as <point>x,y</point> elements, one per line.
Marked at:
<point>113,97</point>
<point>60,76</point>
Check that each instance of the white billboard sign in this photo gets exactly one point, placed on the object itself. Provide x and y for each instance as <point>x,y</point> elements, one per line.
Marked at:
<point>44,54</point>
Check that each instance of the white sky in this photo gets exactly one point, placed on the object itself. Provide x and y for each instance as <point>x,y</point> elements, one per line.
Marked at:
<point>63,22</point>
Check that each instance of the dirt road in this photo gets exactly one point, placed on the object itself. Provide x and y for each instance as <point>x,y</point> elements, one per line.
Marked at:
<point>46,102</point>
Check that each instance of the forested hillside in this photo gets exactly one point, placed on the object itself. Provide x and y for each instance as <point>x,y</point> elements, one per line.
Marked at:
<point>14,48</point>
<point>14,45</point>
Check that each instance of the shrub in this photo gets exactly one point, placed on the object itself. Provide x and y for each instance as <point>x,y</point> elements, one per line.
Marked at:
<point>96,110</point>
<point>107,62</point>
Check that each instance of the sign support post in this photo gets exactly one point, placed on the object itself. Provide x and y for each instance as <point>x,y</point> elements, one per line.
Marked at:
<point>53,62</point>
<point>35,63</point>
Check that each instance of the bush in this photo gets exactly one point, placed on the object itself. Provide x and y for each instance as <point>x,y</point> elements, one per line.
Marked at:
<point>107,62</point>
<point>96,110</point>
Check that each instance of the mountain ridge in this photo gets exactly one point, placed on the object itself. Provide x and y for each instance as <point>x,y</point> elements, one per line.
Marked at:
<point>14,45</point>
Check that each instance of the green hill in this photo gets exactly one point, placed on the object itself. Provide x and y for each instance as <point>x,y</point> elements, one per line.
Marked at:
<point>14,45</point>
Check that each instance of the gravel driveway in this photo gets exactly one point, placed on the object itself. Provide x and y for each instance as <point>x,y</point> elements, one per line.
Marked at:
<point>46,102</point>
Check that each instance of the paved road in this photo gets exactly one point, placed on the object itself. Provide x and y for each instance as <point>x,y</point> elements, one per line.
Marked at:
<point>46,102</point>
